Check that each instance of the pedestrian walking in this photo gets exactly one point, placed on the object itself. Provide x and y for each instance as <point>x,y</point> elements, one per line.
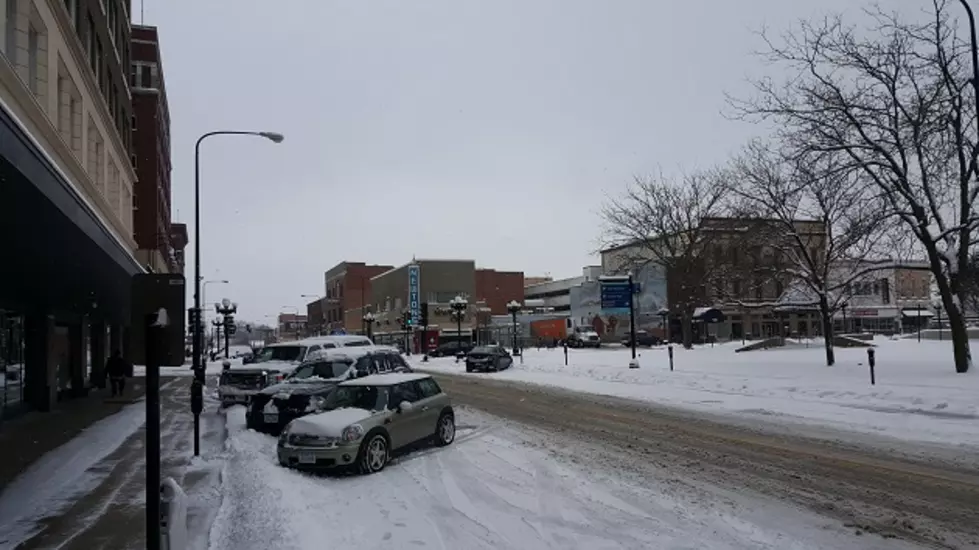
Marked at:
<point>117,368</point>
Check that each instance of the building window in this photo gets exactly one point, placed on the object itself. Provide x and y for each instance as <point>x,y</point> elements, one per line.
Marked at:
<point>9,30</point>
<point>132,122</point>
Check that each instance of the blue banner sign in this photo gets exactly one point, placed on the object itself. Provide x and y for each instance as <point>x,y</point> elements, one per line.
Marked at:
<point>616,297</point>
<point>414,292</point>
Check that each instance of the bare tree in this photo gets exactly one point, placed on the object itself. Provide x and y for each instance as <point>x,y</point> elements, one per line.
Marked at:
<point>823,219</point>
<point>893,98</point>
<point>660,222</point>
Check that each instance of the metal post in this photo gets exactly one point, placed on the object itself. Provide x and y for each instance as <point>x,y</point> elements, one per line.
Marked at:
<point>514,315</point>
<point>872,361</point>
<point>153,350</point>
<point>632,315</point>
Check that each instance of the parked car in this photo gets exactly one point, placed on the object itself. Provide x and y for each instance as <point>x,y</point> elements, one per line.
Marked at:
<point>488,358</point>
<point>584,337</point>
<point>450,349</point>
<point>643,339</point>
<point>368,419</point>
<point>306,390</point>
<point>238,385</point>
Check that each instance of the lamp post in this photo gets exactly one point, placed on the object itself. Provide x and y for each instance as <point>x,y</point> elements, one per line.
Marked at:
<point>227,309</point>
<point>459,306</point>
<point>514,307</point>
<point>405,320</point>
<point>843,307</point>
<point>197,389</point>
<point>664,315</point>
<point>369,324</point>
<point>217,323</point>
<point>938,310</point>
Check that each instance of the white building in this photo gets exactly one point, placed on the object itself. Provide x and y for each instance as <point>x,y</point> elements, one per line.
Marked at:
<point>556,295</point>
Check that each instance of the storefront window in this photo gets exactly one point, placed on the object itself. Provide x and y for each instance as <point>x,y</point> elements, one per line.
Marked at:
<point>11,363</point>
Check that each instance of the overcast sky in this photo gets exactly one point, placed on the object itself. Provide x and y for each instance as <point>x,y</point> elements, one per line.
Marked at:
<point>489,130</point>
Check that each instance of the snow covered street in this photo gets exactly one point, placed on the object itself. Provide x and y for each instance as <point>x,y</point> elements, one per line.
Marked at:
<point>499,486</point>
<point>917,398</point>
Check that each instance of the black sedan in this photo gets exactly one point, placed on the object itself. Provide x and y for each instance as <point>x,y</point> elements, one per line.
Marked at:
<point>643,339</point>
<point>488,358</point>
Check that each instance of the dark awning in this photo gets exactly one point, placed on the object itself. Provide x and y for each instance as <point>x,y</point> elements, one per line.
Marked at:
<point>708,315</point>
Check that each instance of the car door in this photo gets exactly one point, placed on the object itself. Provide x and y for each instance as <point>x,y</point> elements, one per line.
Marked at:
<point>429,405</point>
<point>406,424</point>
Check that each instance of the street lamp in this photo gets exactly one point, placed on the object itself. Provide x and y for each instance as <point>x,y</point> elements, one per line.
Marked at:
<point>514,307</point>
<point>204,300</point>
<point>459,306</point>
<point>217,323</point>
<point>369,324</point>
<point>938,310</point>
<point>197,389</point>
<point>227,309</point>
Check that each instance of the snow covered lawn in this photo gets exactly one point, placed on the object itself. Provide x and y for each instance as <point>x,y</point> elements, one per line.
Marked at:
<point>918,396</point>
<point>497,487</point>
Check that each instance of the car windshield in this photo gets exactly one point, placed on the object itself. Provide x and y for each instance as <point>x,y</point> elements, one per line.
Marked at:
<point>486,350</point>
<point>322,369</point>
<point>281,353</point>
<point>371,398</point>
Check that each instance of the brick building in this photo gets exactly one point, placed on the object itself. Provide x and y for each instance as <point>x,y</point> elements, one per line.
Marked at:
<point>486,290</point>
<point>497,288</point>
<point>347,288</point>
<point>291,326</point>
<point>151,153</point>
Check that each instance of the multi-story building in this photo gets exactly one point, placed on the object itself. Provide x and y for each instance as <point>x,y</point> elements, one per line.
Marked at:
<point>66,179</point>
<point>495,289</point>
<point>893,298</point>
<point>347,292</point>
<point>151,152</point>
<point>739,269</point>
<point>487,292</point>
<point>292,326</point>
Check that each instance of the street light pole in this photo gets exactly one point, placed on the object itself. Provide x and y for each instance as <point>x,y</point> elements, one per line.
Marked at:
<point>514,307</point>
<point>197,389</point>
<point>459,306</point>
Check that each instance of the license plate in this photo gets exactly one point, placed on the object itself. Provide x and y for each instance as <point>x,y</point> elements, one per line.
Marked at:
<point>271,418</point>
<point>307,458</point>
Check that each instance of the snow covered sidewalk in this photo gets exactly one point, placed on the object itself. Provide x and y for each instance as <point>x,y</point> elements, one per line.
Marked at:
<point>918,396</point>
<point>89,493</point>
<point>499,486</point>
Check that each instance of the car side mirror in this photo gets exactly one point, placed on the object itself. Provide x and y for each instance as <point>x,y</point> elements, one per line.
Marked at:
<point>405,406</point>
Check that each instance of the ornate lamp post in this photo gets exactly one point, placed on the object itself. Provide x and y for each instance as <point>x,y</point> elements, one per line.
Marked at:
<point>459,306</point>
<point>514,307</point>
<point>369,324</point>
<point>227,309</point>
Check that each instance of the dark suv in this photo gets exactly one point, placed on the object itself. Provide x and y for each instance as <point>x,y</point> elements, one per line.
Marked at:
<point>305,391</point>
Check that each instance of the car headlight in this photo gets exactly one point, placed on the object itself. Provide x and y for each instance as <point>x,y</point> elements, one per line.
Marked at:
<point>352,432</point>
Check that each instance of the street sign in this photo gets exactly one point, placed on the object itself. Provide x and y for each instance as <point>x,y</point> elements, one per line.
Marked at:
<point>414,292</point>
<point>616,296</point>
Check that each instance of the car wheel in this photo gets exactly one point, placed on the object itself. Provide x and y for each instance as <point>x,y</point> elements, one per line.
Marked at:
<point>373,454</point>
<point>445,430</point>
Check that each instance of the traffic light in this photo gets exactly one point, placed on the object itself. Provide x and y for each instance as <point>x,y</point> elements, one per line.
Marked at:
<point>408,318</point>
<point>424,314</point>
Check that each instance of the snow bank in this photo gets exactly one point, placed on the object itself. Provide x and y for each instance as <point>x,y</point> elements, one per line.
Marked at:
<point>918,395</point>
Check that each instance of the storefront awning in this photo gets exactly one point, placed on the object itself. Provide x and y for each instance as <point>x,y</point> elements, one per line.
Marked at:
<point>914,313</point>
<point>708,315</point>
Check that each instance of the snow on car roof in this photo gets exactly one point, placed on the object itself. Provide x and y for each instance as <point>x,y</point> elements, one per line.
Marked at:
<point>338,354</point>
<point>386,379</point>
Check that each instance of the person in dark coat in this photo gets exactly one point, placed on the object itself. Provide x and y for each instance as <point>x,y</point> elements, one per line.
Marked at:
<point>117,368</point>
